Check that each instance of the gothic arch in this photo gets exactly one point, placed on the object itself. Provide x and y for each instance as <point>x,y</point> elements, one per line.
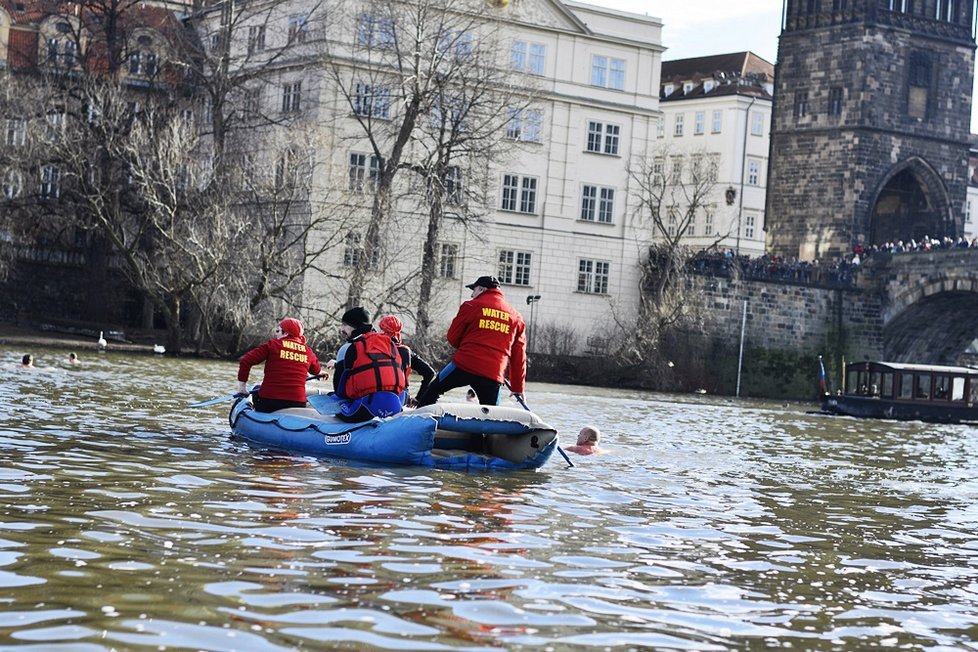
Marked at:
<point>911,201</point>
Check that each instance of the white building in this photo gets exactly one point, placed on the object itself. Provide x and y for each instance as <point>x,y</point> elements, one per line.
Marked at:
<point>720,106</point>
<point>558,227</point>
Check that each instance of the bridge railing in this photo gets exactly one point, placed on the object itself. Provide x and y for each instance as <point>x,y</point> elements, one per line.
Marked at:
<point>842,274</point>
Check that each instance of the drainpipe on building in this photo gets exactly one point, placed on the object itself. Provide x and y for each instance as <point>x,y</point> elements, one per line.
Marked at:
<point>743,171</point>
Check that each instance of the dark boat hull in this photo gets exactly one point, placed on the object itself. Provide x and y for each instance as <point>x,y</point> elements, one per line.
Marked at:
<point>876,408</point>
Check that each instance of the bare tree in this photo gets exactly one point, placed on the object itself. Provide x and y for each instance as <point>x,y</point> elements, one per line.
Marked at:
<point>673,188</point>
<point>424,82</point>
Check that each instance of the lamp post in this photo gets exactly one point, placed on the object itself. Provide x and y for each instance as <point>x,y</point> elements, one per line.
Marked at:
<point>532,302</point>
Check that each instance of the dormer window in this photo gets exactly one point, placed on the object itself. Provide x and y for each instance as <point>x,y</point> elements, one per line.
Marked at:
<point>143,60</point>
<point>708,85</point>
<point>668,90</point>
<point>687,87</point>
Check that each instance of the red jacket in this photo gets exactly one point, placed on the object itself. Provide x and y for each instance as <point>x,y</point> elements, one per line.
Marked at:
<point>287,363</point>
<point>488,334</point>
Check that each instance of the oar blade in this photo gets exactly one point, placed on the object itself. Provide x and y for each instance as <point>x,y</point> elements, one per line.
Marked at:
<point>213,401</point>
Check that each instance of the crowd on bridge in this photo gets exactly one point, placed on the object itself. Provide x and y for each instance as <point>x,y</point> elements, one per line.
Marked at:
<point>926,243</point>
<point>725,262</point>
<point>837,273</point>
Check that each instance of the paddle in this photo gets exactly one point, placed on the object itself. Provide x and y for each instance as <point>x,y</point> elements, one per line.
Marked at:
<point>526,407</point>
<point>230,397</point>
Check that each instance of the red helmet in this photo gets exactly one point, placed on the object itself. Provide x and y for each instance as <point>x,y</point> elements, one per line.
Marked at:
<point>391,325</point>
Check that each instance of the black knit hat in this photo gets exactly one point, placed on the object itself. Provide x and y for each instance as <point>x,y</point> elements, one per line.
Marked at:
<point>356,317</point>
<point>484,281</point>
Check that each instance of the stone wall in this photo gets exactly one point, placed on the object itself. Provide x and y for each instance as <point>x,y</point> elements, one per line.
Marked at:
<point>829,165</point>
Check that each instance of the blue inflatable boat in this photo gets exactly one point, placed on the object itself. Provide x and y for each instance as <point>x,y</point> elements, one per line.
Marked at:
<point>463,436</point>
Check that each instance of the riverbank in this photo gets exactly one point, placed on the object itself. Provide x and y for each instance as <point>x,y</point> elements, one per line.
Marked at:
<point>22,336</point>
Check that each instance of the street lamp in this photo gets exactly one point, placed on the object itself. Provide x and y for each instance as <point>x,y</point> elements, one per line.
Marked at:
<point>531,301</point>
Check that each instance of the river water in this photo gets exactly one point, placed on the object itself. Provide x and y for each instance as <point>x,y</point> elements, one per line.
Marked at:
<point>130,522</point>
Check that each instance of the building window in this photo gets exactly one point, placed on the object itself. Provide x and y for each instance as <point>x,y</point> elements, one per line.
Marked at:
<point>372,101</point>
<point>50,181</point>
<point>535,63</point>
<point>749,221</point>
<point>285,170</point>
<point>298,29</point>
<point>945,10</point>
<point>454,190</point>
<point>597,204</point>
<point>519,193</point>
<point>514,267</point>
<point>359,171</point>
<point>13,184</point>
<point>753,172</point>
<point>525,125</point>
<point>835,101</point>
<point>608,72</point>
<point>292,97</point>
<point>256,38</point>
<point>252,100</point>
<point>757,124</point>
<point>919,85</point>
<point>375,31</point>
<point>603,138</point>
<point>592,276</point>
<point>699,123</point>
<point>660,128</point>
<point>459,42</point>
<point>672,220</point>
<point>70,55</point>
<point>717,121</point>
<point>677,129</point>
<point>967,212</point>
<point>801,104</point>
<point>676,169</point>
<point>538,58</point>
<point>658,165</point>
<point>353,251</point>
<point>708,211</point>
<point>15,132</point>
<point>447,259</point>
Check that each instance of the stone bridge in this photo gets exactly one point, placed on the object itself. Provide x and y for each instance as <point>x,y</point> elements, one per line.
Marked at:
<point>906,307</point>
<point>929,303</point>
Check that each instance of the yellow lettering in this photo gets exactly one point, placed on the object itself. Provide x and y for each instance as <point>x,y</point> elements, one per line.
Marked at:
<point>495,314</point>
<point>492,325</point>
<point>292,355</point>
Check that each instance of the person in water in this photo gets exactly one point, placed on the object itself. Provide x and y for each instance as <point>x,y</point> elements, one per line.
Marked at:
<point>27,362</point>
<point>72,359</point>
<point>288,360</point>
<point>587,441</point>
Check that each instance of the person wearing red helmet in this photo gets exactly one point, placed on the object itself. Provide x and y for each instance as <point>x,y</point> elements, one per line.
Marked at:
<point>288,360</point>
<point>391,326</point>
<point>488,335</point>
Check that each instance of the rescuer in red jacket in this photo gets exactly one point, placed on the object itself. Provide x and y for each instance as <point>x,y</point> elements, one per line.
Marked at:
<point>488,335</point>
<point>288,360</point>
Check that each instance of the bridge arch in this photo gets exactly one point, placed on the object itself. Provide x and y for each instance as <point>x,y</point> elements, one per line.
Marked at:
<point>932,322</point>
<point>911,201</point>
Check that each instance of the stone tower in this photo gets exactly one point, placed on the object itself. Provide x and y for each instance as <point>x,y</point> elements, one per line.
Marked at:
<point>870,126</point>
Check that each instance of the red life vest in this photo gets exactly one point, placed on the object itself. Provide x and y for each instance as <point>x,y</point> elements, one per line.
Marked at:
<point>374,364</point>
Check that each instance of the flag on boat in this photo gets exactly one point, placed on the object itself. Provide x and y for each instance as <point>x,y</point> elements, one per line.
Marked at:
<point>823,378</point>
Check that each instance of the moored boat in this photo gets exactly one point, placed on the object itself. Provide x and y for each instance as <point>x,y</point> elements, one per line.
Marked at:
<point>445,435</point>
<point>908,392</point>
